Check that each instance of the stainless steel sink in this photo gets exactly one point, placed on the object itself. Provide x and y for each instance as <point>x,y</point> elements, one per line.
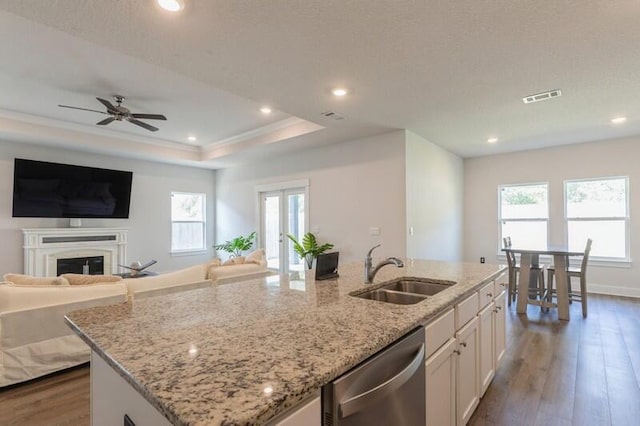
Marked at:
<point>406,291</point>
<point>389,296</point>
<point>428,288</point>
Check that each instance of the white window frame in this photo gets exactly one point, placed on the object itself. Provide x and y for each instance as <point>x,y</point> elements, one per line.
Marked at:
<point>191,251</point>
<point>602,260</point>
<point>500,219</point>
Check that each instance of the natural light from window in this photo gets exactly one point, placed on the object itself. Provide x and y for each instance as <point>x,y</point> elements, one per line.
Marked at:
<point>598,209</point>
<point>524,214</point>
<point>188,224</point>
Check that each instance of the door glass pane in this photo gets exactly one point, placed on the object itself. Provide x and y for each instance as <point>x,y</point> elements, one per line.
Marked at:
<point>295,227</point>
<point>524,202</point>
<point>271,208</point>
<point>597,198</point>
<point>528,234</point>
<point>609,237</point>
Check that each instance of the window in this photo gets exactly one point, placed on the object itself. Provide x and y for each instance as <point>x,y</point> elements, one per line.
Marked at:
<point>524,214</point>
<point>598,209</point>
<point>188,225</point>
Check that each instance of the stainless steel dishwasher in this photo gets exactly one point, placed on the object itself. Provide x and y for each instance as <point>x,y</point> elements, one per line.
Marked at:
<point>386,389</point>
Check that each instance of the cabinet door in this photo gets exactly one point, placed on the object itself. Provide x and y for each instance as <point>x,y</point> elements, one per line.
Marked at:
<point>467,371</point>
<point>440,371</point>
<point>500,328</point>
<point>487,358</point>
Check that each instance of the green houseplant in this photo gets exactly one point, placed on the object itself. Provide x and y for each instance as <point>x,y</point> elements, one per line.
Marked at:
<point>309,249</point>
<point>237,245</point>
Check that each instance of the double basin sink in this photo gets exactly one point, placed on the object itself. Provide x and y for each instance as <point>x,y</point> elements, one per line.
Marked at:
<point>406,291</point>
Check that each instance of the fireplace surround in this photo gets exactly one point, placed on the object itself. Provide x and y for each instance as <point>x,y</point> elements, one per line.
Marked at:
<point>45,247</point>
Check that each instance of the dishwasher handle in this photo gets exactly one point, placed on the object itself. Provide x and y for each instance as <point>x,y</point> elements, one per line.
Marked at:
<point>359,402</point>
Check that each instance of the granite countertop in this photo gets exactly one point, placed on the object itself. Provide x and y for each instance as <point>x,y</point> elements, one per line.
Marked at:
<point>244,352</point>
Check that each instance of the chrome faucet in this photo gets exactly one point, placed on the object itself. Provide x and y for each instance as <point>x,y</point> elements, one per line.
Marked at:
<point>370,271</point>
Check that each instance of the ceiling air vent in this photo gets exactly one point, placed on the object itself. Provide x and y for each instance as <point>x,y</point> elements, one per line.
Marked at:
<point>542,96</point>
<point>332,115</point>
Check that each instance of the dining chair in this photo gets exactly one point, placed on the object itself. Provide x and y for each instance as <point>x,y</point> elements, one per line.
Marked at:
<point>514,271</point>
<point>581,273</point>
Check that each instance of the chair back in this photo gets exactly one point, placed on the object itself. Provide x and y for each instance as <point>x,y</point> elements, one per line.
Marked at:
<point>511,257</point>
<point>585,258</point>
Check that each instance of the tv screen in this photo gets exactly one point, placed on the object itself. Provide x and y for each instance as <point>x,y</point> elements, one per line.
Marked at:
<point>42,189</point>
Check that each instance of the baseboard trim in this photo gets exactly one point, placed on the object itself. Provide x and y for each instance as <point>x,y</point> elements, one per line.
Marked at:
<point>614,291</point>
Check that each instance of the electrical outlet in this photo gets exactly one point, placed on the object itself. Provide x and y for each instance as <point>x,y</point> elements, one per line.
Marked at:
<point>482,259</point>
<point>374,231</point>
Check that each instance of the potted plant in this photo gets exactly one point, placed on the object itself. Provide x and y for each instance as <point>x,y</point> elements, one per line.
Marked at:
<point>236,246</point>
<point>309,248</point>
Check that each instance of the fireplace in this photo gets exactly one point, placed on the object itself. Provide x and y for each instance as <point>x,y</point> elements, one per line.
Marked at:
<point>54,251</point>
<point>93,265</point>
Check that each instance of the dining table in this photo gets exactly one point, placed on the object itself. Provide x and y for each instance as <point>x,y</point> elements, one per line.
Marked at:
<point>531,257</point>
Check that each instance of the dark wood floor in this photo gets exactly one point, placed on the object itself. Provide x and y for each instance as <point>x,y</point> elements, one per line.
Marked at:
<point>582,372</point>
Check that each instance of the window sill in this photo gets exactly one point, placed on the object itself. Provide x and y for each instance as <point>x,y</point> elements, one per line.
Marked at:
<point>189,252</point>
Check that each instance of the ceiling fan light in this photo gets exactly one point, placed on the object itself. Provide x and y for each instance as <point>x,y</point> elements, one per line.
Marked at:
<point>171,5</point>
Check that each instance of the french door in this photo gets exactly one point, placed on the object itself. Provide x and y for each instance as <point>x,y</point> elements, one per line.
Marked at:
<point>282,212</point>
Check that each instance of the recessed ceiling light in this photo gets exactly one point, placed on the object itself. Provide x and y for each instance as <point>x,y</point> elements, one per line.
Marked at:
<point>492,140</point>
<point>171,5</point>
<point>191,138</point>
<point>338,91</point>
<point>618,120</point>
<point>265,110</point>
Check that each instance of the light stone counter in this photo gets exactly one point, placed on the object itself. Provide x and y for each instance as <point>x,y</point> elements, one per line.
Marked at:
<point>211,356</point>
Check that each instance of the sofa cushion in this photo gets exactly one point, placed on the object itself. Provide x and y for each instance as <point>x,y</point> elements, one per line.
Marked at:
<point>183,276</point>
<point>29,280</point>
<point>217,272</point>
<point>81,279</point>
<point>256,256</point>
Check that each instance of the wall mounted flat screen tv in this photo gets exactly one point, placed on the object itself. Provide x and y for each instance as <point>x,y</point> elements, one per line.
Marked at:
<point>42,189</point>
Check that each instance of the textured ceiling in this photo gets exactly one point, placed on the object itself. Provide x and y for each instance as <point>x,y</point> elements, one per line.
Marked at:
<point>453,72</point>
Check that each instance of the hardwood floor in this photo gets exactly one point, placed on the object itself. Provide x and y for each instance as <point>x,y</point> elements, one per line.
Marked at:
<point>581,372</point>
<point>60,399</point>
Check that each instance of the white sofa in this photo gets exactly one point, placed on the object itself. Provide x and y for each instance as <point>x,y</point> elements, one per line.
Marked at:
<point>35,340</point>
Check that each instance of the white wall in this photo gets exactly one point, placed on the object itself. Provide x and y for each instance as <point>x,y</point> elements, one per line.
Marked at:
<point>149,221</point>
<point>352,186</point>
<point>434,186</point>
<point>483,175</point>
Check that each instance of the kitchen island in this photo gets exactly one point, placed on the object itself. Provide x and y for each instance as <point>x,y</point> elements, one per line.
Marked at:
<point>244,352</point>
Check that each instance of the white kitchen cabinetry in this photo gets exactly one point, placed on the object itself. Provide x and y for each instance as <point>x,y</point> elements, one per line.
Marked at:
<point>464,346</point>
<point>308,413</point>
<point>500,328</point>
<point>440,372</point>
<point>467,371</point>
<point>487,346</point>
<point>112,398</point>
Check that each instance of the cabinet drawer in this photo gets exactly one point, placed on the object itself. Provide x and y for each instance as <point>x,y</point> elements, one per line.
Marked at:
<point>486,295</point>
<point>501,284</point>
<point>466,310</point>
<point>438,332</point>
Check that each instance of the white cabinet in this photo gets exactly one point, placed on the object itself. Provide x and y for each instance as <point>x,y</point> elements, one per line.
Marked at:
<point>487,346</point>
<point>467,371</point>
<point>112,398</point>
<point>308,413</point>
<point>500,328</point>
<point>440,372</point>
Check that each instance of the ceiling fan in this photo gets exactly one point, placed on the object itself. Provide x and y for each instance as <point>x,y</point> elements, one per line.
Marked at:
<point>119,113</point>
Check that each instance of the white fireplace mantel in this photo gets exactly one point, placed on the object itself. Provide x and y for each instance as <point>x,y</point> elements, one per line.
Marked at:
<point>44,246</point>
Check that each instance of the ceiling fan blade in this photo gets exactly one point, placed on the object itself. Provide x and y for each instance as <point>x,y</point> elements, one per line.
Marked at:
<point>105,121</point>
<point>150,116</point>
<point>141,124</point>
<point>108,104</point>
<point>83,109</point>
